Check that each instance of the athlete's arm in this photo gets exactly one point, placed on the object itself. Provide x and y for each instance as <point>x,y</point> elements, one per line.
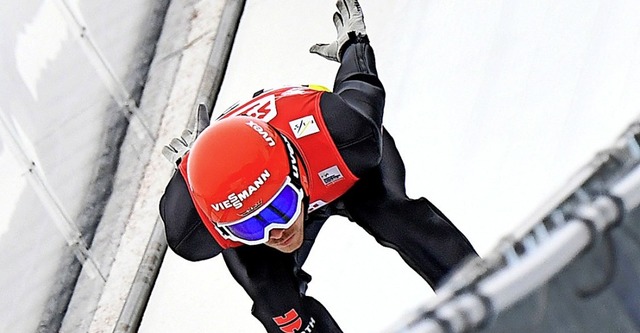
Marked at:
<point>353,112</point>
<point>186,234</point>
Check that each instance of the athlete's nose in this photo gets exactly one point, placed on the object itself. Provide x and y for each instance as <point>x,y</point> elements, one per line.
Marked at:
<point>276,234</point>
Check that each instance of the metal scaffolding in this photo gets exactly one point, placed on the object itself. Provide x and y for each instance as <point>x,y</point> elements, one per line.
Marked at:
<point>598,199</point>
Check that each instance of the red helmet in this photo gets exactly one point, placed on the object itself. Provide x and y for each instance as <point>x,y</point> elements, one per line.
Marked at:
<point>236,166</point>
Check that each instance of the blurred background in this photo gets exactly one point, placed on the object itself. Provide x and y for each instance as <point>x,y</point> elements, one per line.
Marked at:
<point>73,73</point>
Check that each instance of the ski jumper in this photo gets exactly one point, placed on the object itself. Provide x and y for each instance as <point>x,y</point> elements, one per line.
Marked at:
<point>295,113</point>
<point>423,236</point>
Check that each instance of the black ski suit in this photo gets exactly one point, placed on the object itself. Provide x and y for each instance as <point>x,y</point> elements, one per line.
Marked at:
<point>423,236</point>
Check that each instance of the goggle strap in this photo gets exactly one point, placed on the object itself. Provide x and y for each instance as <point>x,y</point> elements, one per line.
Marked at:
<point>294,179</point>
<point>222,230</point>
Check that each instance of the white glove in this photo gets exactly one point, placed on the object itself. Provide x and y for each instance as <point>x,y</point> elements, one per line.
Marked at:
<point>181,145</point>
<point>349,24</point>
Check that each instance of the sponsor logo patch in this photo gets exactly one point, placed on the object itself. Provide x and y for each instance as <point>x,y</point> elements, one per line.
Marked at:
<point>263,108</point>
<point>330,175</point>
<point>315,205</point>
<point>291,322</point>
<point>264,134</point>
<point>251,209</point>
<point>304,126</point>
<point>234,200</point>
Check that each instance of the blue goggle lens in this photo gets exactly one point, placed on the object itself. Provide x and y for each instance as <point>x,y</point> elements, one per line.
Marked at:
<point>278,214</point>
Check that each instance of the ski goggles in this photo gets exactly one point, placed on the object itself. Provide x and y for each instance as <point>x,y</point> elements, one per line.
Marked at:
<point>280,212</point>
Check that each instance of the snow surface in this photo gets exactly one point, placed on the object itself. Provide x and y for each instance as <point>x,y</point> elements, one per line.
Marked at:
<point>493,104</point>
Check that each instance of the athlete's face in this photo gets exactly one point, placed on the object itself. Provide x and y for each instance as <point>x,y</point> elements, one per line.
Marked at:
<point>288,240</point>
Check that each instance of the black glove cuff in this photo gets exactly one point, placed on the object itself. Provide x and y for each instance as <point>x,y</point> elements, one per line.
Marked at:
<point>353,39</point>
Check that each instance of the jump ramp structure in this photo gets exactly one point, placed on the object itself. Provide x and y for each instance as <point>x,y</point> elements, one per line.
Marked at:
<point>572,267</point>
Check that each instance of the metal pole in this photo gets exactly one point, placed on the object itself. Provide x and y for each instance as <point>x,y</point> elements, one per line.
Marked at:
<point>220,52</point>
<point>138,296</point>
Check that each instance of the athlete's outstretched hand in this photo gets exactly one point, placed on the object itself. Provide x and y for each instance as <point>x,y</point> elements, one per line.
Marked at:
<point>181,145</point>
<point>349,23</point>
